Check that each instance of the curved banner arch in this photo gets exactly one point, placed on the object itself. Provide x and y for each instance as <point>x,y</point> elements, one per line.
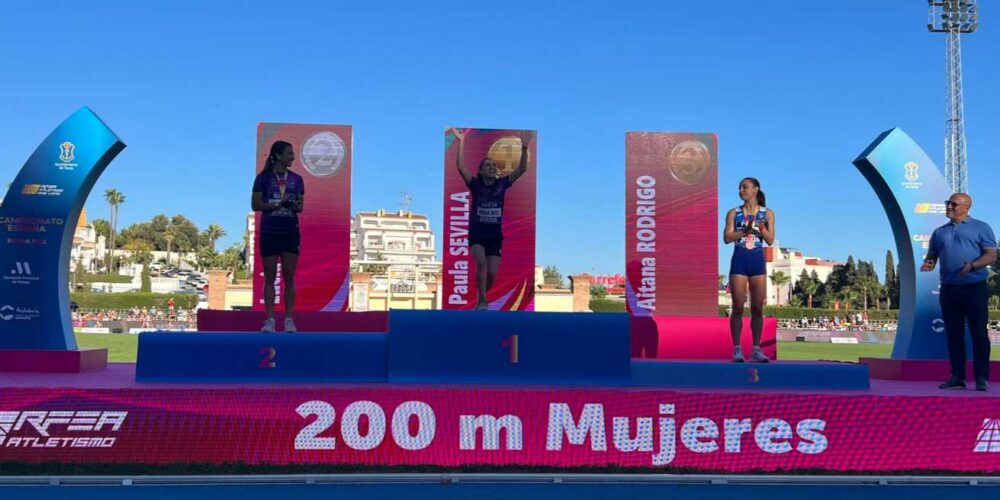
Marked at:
<point>37,223</point>
<point>912,191</point>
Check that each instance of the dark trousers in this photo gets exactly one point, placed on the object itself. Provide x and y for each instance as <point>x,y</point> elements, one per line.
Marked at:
<point>961,304</point>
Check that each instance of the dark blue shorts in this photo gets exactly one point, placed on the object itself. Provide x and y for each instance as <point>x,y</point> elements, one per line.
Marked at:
<point>748,263</point>
<point>492,243</point>
<point>273,244</point>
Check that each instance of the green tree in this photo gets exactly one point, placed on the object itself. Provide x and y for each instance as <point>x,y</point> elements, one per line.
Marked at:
<point>114,198</point>
<point>207,258</point>
<point>102,228</point>
<point>187,232</point>
<point>169,236</point>
<point>995,302</point>
<point>183,247</point>
<point>863,284</point>
<point>820,298</point>
<point>552,276</point>
<point>232,259</point>
<point>779,279</point>
<point>847,297</point>
<point>146,282</point>
<point>809,287</point>
<point>598,291</point>
<point>891,293</point>
<point>139,251</point>
<point>155,231</point>
<point>213,233</point>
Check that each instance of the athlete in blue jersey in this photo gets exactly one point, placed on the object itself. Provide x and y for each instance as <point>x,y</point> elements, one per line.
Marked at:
<point>278,194</point>
<point>749,226</point>
<point>486,211</point>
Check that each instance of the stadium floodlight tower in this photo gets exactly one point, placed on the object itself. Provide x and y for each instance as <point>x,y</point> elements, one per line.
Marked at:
<point>954,17</point>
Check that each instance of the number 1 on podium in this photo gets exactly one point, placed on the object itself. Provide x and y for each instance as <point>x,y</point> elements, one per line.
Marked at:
<point>511,344</point>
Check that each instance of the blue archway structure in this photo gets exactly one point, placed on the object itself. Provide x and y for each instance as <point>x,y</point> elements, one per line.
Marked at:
<point>912,191</point>
<point>38,220</point>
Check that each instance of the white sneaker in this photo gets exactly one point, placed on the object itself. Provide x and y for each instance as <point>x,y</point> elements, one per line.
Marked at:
<point>758,356</point>
<point>737,355</point>
<point>290,326</point>
<point>268,326</point>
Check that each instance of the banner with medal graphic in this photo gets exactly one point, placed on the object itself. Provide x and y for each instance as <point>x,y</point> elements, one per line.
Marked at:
<point>514,289</point>
<point>671,224</point>
<point>323,159</point>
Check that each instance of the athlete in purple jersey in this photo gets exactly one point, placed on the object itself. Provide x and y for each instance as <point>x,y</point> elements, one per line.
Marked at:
<point>279,194</point>
<point>749,226</point>
<point>486,216</point>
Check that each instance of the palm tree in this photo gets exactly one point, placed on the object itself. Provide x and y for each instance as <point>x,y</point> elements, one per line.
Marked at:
<point>139,250</point>
<point>170,235</point>
<point>848,296</point>
<point>863,283</point>
<point>779,279</point>
<point>230,259</point>
<point>114,199</point>
<point>213,233</point>
<point>207,258</point>
<point>183,247</point>
<point>876,290</point>
<point>809,287</point>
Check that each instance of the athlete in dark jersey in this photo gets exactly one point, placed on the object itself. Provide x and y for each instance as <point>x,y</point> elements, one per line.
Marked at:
<point>278,194</point>
<point>486,215</point>
<point>749,226</point>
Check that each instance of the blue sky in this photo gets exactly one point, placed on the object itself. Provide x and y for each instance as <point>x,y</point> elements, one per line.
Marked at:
<point>794,89</point>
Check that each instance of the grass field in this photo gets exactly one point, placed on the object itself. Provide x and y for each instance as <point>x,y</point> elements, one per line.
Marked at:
<point>122,349</point>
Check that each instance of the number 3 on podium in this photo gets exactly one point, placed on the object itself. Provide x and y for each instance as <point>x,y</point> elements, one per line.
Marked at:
<point>511,344</point>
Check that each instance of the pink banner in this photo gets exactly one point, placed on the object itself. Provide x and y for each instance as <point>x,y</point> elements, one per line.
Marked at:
<point>514,289</point>
<point>730,432</point>
<point>671,224</point>
<point>323,159</point>
<point>686,337</point>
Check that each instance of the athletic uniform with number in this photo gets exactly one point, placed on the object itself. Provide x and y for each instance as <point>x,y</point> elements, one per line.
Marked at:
<point>748,252</point>
<point>279,228</point>
<point>486,219</point>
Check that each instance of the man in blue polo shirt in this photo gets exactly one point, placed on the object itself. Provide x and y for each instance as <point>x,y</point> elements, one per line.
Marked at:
<point>965,247</point>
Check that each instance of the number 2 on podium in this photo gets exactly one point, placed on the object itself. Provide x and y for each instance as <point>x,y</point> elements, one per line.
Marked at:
<point>269,353</point>
<point>511,344</point>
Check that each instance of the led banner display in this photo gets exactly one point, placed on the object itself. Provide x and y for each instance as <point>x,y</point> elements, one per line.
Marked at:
<point>538,427</point>
<point>514,289</point>
<point>323,159</point>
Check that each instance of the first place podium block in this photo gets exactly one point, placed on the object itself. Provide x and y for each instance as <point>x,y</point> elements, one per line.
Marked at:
<point>493,347</point>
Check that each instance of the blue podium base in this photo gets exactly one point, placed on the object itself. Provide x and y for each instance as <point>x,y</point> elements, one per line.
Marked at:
<point>261,357</point>
<point>774,375</point>
<point>490,347</point>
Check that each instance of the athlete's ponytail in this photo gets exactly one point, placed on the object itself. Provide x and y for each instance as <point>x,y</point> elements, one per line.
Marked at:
<point>761,199</point>
<point>276,149</point>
